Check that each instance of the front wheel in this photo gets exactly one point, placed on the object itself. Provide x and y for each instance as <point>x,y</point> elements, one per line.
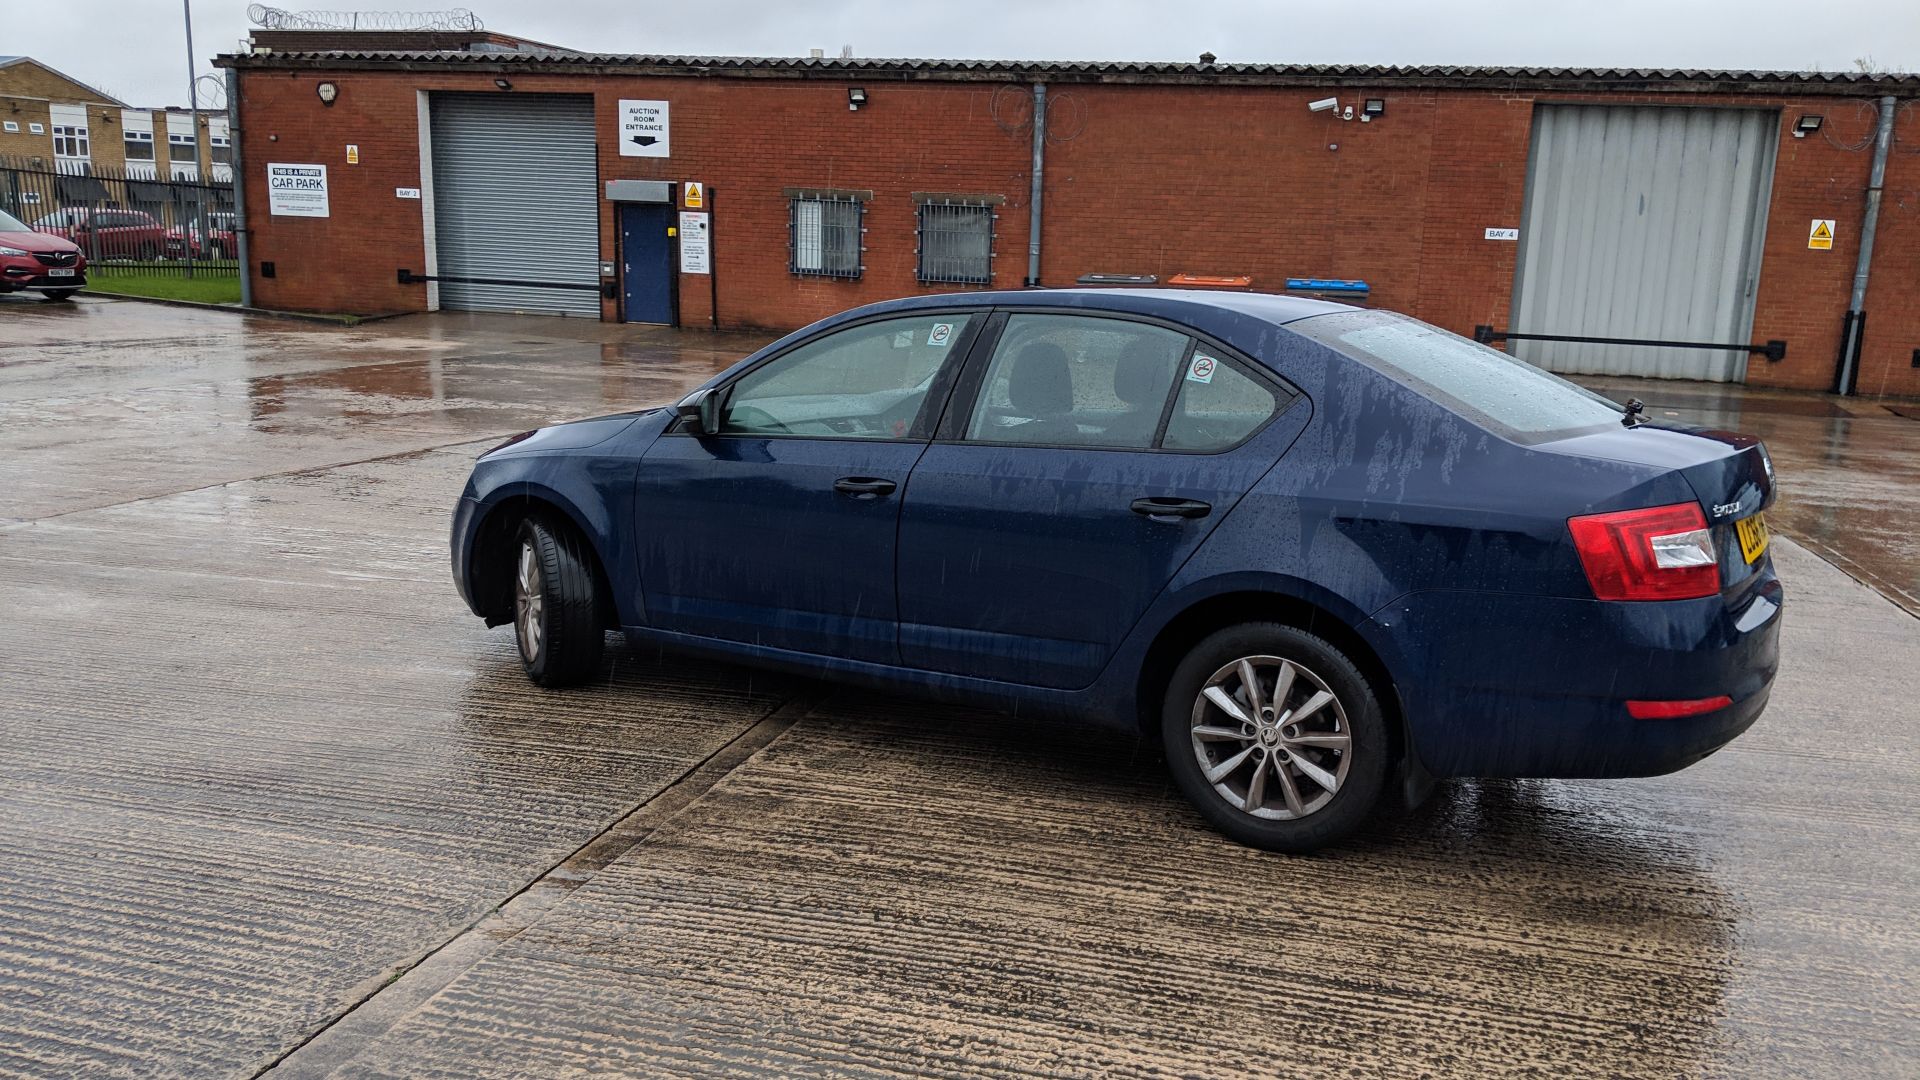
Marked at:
<point>556,605</point>
<point>1276,737</point>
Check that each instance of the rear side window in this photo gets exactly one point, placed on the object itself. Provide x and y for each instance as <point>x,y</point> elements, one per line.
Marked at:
<point>1485,385</point>
<point>1074,380</point>
<point>1218,405</point>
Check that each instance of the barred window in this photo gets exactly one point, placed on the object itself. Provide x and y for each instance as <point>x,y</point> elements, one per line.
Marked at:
<point>824,236</point>
<point>956,243</point>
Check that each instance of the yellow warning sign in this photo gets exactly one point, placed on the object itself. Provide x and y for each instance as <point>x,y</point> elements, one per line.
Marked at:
<point>694,195</point>
<point>1820,237</point>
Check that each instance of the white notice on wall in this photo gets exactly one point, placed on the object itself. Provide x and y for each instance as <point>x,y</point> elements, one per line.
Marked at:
<point>696,250</point>
<point>297,190</point>
<point>643,128</point>
<point>1503,234</point>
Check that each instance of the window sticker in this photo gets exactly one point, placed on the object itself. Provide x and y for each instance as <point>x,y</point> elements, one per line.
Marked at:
<point>940,335</point>
<point>903,339</point>
<point>1202,368</point>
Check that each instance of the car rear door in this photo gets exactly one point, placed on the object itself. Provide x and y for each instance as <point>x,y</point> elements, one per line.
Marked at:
<point>781,530</point>
<point>1082,460</point>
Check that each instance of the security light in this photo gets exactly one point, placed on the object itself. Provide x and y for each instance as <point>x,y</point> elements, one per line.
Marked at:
<point>856,97</point>
<point>328,92</point>
<point>503,84</point>
<point>1807,125</point>
<point>1375,107</point>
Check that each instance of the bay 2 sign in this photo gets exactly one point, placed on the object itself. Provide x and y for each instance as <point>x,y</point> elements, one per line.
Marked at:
<point>297,190</point>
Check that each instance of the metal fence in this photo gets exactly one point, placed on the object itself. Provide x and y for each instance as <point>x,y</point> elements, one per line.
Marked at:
<point>134,224</point>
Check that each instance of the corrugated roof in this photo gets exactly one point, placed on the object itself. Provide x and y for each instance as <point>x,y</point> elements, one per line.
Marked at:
<point>1090,70</point>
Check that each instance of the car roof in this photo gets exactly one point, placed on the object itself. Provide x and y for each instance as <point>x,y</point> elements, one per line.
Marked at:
<point>1265,307</point>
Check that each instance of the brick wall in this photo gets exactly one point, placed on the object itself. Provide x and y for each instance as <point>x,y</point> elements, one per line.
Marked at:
<point>1140,179</point>
<point>24,143</point>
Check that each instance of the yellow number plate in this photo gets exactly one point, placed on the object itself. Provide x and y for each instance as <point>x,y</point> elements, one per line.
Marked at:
<point>1753,536</point>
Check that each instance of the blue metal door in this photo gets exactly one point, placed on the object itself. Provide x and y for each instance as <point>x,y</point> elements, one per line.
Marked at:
<point>646,262</point>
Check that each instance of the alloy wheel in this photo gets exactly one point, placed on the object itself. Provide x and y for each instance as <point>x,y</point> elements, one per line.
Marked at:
<point>1271,737</point>
<point>529,602</point>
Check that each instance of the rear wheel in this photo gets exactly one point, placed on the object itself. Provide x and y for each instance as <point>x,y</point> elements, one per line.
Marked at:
<point>1276,737</point>
<point>556,605</point>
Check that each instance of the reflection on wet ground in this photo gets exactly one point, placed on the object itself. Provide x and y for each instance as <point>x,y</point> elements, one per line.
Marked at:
<point>109,395</point>
<point>257,762</point>
<point>1847,469</point>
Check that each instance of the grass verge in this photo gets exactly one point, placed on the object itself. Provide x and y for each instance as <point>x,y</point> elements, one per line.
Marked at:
<point>205,290</point>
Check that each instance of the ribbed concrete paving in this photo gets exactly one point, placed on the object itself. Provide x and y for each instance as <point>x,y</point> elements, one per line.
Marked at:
<point>892,890</point>
<point>256,761</point>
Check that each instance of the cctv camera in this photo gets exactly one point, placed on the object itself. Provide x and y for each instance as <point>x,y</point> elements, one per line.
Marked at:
<point>1325,104</point>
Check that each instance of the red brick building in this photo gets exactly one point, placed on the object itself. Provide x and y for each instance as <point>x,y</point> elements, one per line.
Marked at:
<point>1668,205</point>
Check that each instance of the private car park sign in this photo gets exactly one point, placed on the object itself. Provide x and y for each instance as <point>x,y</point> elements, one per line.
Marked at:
<point>297,190</point>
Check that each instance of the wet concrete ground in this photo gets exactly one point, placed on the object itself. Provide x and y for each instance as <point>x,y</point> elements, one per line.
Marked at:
<point>271,797</point>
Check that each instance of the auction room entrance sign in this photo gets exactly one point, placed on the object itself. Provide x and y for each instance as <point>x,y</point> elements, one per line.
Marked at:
<point>297,190</point>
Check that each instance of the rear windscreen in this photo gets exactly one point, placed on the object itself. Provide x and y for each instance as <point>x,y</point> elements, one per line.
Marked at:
<point>1485,385</point>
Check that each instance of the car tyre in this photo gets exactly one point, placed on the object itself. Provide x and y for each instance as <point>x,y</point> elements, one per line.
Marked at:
<point>1227,752</point>
<point>556,604</point>
<point>148,252</point>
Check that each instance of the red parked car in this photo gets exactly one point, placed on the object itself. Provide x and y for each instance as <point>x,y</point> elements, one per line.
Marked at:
<point>213,240</point>
<point>29,259</point>
<point>109,234</point>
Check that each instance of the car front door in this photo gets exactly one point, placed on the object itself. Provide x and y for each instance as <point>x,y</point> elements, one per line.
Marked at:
<point>1083,459</point>
<point>781,530</point>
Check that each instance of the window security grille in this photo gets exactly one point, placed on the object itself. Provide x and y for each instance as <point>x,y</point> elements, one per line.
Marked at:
<point>956,243</point>
<point>824,237</point>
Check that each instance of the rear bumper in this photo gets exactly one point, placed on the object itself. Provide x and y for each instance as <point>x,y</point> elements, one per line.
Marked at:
<point>1508,685</point>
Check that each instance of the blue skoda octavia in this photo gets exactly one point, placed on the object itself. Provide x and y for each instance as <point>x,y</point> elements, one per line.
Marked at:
<point>1323,554</point>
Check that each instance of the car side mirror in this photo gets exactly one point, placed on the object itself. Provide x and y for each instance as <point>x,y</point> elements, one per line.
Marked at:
<point>701,410</point>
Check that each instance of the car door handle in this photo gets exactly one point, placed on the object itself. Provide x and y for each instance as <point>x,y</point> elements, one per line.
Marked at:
<point>1158,507</point>
<point>863,487</point>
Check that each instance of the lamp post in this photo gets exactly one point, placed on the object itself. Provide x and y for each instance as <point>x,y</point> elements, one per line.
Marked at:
<point>193,124</point>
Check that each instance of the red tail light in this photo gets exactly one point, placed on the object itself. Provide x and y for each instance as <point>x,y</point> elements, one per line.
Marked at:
<point>1674,710</point>
<point>1662,553</point>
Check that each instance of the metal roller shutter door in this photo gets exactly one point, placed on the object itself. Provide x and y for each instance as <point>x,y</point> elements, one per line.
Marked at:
<point>1643,222</point>
<point>514,199</point>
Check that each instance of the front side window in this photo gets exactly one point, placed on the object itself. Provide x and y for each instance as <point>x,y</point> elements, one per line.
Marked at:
<point>956,243</point>
<point>865,382</point>
<point>1075,380</point>
<point>824,236</point>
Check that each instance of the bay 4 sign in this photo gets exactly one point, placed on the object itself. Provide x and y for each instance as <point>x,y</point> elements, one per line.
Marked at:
<point>643,128</point>
<point>297,190</point>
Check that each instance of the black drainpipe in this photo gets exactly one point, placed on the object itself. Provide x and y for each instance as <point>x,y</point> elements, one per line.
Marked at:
<point>1856,322</point>
<point>1039,167</point>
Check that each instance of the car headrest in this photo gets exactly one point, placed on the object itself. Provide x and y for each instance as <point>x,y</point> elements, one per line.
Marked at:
<point>1041,384</point>
<point>1141,374</point>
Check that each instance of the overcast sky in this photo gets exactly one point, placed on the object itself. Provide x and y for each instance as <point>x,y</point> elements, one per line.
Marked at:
<point>135,49</point>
